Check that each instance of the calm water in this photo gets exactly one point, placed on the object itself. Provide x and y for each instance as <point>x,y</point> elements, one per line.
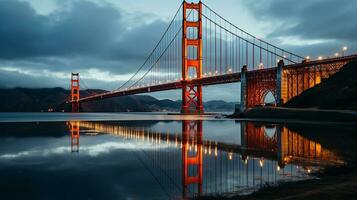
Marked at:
<point>150,156</point>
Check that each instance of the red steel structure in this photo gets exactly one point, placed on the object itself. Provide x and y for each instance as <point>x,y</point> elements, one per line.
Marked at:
<point>192,156</point>
<point>191,93</point>
<point>286,82</point>
<point>75,92</point>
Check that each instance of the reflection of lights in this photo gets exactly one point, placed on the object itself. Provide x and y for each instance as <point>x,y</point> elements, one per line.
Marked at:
<point>309,170</point>
<point>216,151</point>
<point>277,168</point>
<point>230,155</point>
<point>261,162</point>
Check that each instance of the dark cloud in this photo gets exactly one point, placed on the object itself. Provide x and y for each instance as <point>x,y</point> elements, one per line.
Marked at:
<point>318,19</point>
<point>91,34</point>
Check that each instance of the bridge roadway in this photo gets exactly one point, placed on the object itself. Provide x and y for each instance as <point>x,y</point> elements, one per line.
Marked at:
<point>210,80</point>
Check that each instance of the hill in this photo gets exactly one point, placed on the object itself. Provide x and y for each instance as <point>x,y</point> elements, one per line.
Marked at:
<point>337,92</point>
<point>37,100</point>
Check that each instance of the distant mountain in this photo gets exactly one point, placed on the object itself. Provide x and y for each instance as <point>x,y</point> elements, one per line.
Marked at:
<point>37,100</point>
<point>219,105</point>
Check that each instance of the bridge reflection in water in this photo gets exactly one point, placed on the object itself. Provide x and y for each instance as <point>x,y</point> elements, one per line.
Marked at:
<point>74,129</point>
<point>187,165</point>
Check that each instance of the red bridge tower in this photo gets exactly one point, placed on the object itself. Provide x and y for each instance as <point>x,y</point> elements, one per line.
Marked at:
<point>75,92</point>
<point>192,58</point>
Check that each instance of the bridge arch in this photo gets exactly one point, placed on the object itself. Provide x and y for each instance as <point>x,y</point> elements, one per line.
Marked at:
<point>259,85</point>
<point>269,95</point>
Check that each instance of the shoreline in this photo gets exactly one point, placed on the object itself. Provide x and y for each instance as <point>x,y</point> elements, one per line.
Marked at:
<point>297,115</point>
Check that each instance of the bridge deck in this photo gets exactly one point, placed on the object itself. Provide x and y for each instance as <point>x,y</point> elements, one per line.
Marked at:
<point>211,80</point>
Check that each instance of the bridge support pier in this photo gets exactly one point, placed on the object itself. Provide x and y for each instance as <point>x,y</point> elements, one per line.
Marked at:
<point>243,89</point>
<point>280,90</point>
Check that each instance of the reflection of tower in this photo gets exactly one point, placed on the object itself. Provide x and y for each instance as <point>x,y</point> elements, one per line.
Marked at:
<point>74,126</point>
<point>243,133</point>
<point>191,156</point>
<point>280,140</point>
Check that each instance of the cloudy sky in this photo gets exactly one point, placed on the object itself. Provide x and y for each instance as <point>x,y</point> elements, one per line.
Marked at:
<point>42,41</point>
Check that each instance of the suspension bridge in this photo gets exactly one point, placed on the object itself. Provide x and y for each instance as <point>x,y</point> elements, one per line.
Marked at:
<point>201,48</point>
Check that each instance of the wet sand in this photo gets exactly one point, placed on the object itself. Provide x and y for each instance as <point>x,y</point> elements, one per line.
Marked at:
<point>336,183</point>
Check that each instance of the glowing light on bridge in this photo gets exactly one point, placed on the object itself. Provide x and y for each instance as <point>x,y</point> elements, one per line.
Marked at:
<point>344,49</point>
